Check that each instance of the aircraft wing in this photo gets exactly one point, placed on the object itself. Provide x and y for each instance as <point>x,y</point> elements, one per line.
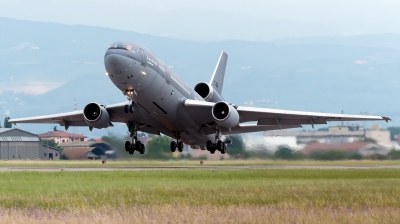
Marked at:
<point>75,118</point>
<point>271,119</point>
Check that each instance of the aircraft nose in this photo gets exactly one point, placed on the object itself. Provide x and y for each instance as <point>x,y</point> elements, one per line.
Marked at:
<point>112,63</point>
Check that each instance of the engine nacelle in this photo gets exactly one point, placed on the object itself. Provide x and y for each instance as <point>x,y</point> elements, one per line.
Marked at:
<point>225,115</point>
<point>96,116</point>
<point>207,92</point>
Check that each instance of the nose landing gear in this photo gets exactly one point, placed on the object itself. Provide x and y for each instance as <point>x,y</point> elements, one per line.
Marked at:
<point>129,107</point>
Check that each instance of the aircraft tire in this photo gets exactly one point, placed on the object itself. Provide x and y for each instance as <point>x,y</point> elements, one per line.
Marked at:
<point>173,146</point>
<point>131,108</point>
<point>142,149</point>
<point>180,146</point>
<point>220,145</point>
<point>127,146</point>
<point>212,151</point>
<point>209,145</point>
<point>223,150</point>
<point>138,146</point>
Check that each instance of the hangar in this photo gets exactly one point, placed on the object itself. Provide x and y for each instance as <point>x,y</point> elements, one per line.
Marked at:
<point>18,144</point>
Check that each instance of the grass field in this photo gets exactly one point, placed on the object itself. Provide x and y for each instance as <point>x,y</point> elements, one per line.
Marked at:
<point>202,196</point>
<point>149,163</point>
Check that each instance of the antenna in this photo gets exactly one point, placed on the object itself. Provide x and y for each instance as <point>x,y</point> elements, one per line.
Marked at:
<point>75,106</point>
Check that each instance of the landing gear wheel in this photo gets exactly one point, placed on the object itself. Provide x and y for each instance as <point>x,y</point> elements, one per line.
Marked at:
<point>126,108</point>
<point>220,145</point>
<point>131,108</point>
<point>142,149</point>
<point>127,146</point>
<point>138,145</point>
<point>209,145</point>
<point>212,151</point>
<point>223,150</point>
<point>131,149</point>
<point>173,146</point>
<point>180,146</point>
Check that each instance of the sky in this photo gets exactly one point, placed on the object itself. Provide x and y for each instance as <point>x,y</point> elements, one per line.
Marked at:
<point>216,20</point>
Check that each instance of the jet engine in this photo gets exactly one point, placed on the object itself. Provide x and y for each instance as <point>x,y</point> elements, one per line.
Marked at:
<point>206,91</point>
<point>96,116</point>
<point>225,115</point>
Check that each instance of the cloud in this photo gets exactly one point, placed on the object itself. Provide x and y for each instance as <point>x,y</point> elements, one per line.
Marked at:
<point>30,87</point>
<point>246,67</point>
<point>26,45</point>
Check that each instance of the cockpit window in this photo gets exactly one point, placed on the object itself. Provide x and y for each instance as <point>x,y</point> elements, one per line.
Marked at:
<point>122,46</point>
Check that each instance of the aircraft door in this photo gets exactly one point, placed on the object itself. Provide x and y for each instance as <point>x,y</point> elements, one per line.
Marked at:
<point>167,75</point>
<point>143,57</point>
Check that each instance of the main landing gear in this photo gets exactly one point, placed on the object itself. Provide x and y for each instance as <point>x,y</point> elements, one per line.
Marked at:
<point>135,145</point>
<point>220,146</point>
<point>178,144</point>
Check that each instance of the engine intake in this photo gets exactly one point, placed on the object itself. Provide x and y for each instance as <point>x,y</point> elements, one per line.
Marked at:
<point>225,115</point>
<point>96,116</point>
<point>207,92</point>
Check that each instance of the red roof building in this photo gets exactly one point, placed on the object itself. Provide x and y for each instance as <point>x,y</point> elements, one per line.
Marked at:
<point>62,136</point>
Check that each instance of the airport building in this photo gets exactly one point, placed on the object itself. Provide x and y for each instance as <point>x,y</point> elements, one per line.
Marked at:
<point>51,153</point>
<point>18,144</point>
<point>340,134</point>
<point>62,137</point>
<point>88,150</point>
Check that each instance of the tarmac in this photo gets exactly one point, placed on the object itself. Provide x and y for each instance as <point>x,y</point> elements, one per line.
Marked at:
<point>56,169</point>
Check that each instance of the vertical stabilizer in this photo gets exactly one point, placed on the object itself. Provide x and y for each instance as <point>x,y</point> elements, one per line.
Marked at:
<point>217,80</point>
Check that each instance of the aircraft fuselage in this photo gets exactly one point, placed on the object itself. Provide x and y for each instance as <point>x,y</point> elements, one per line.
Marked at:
<point>158,91</point>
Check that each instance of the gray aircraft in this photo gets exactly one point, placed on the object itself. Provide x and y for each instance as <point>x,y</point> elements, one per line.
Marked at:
<point>160,102</point>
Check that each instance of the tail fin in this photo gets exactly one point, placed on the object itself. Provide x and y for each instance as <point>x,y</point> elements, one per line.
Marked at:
<point>217,80</point>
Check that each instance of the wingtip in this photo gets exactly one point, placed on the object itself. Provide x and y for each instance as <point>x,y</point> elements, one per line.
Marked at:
<point>387,119</point>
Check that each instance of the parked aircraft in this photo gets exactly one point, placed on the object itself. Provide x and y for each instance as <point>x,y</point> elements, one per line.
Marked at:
<point>160,102</point>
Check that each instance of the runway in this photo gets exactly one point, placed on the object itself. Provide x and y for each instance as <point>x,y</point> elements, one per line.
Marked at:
<point>143,168</point>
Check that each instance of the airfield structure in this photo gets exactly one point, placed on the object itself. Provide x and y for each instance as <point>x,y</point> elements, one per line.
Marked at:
<point>18,144</point>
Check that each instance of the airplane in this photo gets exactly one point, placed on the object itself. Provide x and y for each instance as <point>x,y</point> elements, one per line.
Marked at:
<point>159,102</point>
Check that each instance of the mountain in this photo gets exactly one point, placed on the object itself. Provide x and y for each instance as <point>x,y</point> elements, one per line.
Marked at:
<point>46,66</point>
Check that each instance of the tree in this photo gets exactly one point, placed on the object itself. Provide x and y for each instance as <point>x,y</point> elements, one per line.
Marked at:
<point>237,146</point>
<point>393,132</point>
<point>118,143</point>
<point>51,143</point>
<point>283,152</point>
<point>158,148</point>
<point>329,155</point>
<point>394,154</point>
<point>6,123</point>
<point>55,128</point>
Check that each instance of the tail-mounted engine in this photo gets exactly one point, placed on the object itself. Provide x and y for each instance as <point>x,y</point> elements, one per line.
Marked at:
<point>96,116</point>
<point>208,93</point>
<point>225,115</point>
